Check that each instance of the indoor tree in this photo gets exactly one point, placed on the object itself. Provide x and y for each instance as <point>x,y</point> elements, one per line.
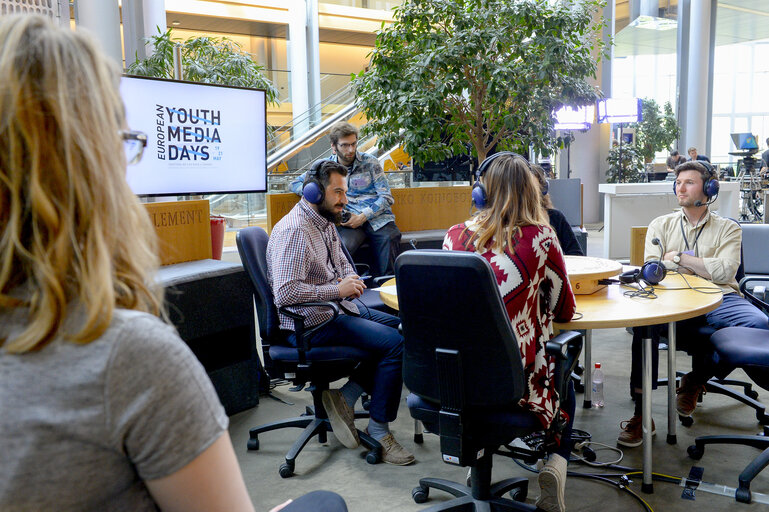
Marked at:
<point>206,59</point>
<point>451,74</point>
<point>658,129</point>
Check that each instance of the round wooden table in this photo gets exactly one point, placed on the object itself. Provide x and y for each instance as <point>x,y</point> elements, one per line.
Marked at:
<point>585,271</point>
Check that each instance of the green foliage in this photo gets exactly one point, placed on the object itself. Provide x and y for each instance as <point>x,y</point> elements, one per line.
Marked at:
<point>206,59</point>
<point>632,165</point>
<point>448,74</point>
<point>657,131</point>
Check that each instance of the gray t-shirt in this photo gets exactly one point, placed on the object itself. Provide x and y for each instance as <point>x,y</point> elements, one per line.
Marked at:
<point>81,426</point>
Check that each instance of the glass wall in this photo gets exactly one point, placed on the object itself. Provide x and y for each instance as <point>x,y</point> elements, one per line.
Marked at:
<point>740,97</point>
<point>384,5</point>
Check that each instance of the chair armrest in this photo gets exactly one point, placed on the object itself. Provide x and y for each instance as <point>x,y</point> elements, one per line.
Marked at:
<point>377,281</point>
<point>747,285</point>
<point>303,335</point>
<point>565,348</point>
<point>363,270</point>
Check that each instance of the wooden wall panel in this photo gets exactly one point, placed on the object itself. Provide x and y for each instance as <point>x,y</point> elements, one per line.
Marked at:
<point>183,228</point>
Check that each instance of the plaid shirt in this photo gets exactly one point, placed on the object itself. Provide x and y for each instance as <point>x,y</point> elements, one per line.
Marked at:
<point>304,262</point>
<point>368,190</point>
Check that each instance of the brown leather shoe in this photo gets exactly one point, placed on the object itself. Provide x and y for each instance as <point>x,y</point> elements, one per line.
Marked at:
<point>688,395</point>
<point>342,418</point>
<point>394,453</point>
<point>632,432</point>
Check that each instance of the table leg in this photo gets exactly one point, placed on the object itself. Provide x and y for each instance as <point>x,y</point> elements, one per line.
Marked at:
<point>587,375</point>
<point>672,414</point>
<point>647,486</point>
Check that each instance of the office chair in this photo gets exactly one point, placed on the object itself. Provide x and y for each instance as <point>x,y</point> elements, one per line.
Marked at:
<point>753,265</point>
<point>463,367</point>
<point>746,348</point>
<point>301,364</point>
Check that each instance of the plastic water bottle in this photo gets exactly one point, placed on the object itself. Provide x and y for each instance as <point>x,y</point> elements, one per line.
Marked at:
<point>597,386</point>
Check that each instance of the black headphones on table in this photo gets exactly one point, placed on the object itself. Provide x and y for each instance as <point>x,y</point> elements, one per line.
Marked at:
<point>313,190</point>
<point>651,272</point>
<point>710,186</point>
<point>480,199</point>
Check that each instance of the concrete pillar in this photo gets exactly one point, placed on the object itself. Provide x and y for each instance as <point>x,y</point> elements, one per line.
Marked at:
<point>699,110</point>
<point>313,58</point>
<point>102,19</point>
<point>141,19</point>
<point>298,64</point>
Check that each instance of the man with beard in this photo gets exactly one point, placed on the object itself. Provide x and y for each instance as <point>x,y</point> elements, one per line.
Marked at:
<point>696,241</point>
<point>305,263</point>
<point>370,200</point>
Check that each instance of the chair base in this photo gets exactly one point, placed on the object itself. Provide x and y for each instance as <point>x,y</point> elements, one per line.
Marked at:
<point>720,386</point>
<point>464,499</point>
<point>313,426</point>
<point>742,493</point>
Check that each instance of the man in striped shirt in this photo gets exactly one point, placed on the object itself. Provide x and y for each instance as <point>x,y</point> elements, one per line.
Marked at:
<point>305,263</point>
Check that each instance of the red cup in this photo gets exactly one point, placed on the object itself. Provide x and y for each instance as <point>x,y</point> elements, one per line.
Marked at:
<point>217,236</point>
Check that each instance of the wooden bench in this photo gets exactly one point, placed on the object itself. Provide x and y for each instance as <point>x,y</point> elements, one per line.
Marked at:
<point>422,214</point>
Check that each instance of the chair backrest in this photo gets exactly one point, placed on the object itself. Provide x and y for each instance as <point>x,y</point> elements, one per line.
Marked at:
<point>755,241</point>
<point>252,246</point>
<point>449,300</point>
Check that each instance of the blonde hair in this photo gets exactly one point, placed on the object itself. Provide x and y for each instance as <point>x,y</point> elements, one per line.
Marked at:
<point>73,233</point>
<point>514,201</point>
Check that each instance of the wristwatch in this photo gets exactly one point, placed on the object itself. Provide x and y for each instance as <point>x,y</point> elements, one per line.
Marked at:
<point>677,258</point>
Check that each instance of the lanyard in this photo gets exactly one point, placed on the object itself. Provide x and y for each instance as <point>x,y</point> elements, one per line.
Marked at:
<point>696,237</point>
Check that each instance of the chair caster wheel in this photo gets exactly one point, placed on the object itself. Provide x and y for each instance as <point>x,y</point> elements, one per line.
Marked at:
<point>762,417</point>
<point>579,387</point>
<point>752,394</point>
<point>420,494</point>
<point>519,494</point>
<point>253,444</point>
<point>373,457</point>
<point>695,452</point>
<point>286,470</point>
<point>419,438</point>
<point>686,421</point>
<point>743,495</point>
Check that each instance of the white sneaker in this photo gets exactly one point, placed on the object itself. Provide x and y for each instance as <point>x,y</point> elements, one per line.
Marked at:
<point>552,485</point>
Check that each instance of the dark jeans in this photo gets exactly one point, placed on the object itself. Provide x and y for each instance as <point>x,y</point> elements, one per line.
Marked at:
<point>376,333</point>
<point>570,407</point>
<point>317,501</point>
<point>734,311</point>
<point>384,244</point>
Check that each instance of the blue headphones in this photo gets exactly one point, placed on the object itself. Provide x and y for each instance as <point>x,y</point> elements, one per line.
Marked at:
<point>652,272</point>
<point>480,199</point>
<point>313,190</point>
<point>710,186</point>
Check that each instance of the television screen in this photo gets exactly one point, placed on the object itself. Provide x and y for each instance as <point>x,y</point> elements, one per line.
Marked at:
<point>201,138</point>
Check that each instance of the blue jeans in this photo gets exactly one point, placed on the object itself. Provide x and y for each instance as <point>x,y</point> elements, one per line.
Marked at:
<point>384,244</point>
<point>376,333</point>
<point>734,311</point>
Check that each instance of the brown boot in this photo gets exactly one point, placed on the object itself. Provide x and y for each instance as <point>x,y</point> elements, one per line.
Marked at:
<point>688,395</point>
<point>632,432</point>
<point>342,418</point>
<point>394,453</point>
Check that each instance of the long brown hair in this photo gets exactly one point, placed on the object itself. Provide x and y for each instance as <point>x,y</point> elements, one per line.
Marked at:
<point>514,201</point>
<point>73,233</point>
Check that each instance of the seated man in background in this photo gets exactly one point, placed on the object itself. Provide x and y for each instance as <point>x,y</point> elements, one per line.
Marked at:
<point>569,243</point>
<point>696,241</point>
<point>674,160</point>
<point>693,156</point>
<point>305,263</point>
<point>369,200</point>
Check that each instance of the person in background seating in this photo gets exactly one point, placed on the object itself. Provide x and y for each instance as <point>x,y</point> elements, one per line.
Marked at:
<point>674,160</point>
<point>369,201</point>
<point>102,405</point>
<point>569,243</point>
<point>512,231</point>
<point>693,156</point>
